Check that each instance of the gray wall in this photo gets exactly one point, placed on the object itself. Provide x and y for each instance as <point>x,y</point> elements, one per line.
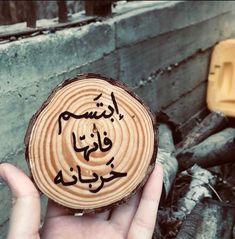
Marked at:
<point>161,50</point>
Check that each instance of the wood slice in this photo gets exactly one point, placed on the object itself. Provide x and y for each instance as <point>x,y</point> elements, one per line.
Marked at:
<point>92,144</point>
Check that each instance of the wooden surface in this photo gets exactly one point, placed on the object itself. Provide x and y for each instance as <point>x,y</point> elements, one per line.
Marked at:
<point>92,144</point>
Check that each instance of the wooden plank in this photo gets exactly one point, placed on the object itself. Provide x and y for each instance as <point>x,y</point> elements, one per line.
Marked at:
<point>217,221</point>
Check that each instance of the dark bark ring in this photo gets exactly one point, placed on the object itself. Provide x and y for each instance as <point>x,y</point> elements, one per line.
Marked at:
<point>92,144</point>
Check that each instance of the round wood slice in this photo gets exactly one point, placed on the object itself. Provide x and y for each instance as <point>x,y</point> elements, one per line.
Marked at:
<point>92,144</point>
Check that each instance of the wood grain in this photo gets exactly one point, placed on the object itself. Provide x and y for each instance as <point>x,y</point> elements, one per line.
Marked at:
<point>127,144</point>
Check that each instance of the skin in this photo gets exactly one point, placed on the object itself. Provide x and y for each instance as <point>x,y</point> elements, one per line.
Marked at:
<point>133,220</point>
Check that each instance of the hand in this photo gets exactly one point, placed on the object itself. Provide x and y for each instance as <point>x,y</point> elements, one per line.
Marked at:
<point>134,219</point>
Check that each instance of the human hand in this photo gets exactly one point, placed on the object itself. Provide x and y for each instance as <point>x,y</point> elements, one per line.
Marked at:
<point>134,219</point>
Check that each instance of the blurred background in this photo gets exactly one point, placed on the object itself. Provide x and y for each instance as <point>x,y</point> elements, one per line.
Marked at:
<point>16,11</point>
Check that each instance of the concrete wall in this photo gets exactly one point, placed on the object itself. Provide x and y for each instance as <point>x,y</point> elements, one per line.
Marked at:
<point>160,49</point>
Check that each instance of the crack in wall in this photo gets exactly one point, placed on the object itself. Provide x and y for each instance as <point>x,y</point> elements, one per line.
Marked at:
<point>155,75</point>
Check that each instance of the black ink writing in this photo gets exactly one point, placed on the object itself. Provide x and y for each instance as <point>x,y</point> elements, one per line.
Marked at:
<point>104,146</point>
<point>66,115</point>
<point>101,143</point>
<point>113,175</point>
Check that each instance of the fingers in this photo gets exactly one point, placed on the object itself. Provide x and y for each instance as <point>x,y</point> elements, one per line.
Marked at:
<point>144,220</point>
<point>122,216</point>
<point>25,216</point>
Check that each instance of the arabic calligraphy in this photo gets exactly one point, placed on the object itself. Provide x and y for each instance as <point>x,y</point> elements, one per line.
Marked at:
<point>66,115</point>
<point>113,175</point>
<point>106,141</point>
<point>101,143</point>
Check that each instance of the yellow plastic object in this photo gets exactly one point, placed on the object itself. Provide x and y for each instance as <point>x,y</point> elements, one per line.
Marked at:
<point>221,80</point>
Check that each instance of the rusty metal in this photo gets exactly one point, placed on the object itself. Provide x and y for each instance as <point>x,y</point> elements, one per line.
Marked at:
<point>98,8</point>
<point>94,10</point>
<point>31,18</point>
<point>62,11</point>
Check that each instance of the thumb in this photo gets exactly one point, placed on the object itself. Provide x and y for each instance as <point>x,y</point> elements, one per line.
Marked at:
<point>25,216</point>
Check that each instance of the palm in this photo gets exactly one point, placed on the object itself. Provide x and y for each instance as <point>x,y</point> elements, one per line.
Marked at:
<point>134,219</point>
<point>60,223</point>
<point>75,227</point>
